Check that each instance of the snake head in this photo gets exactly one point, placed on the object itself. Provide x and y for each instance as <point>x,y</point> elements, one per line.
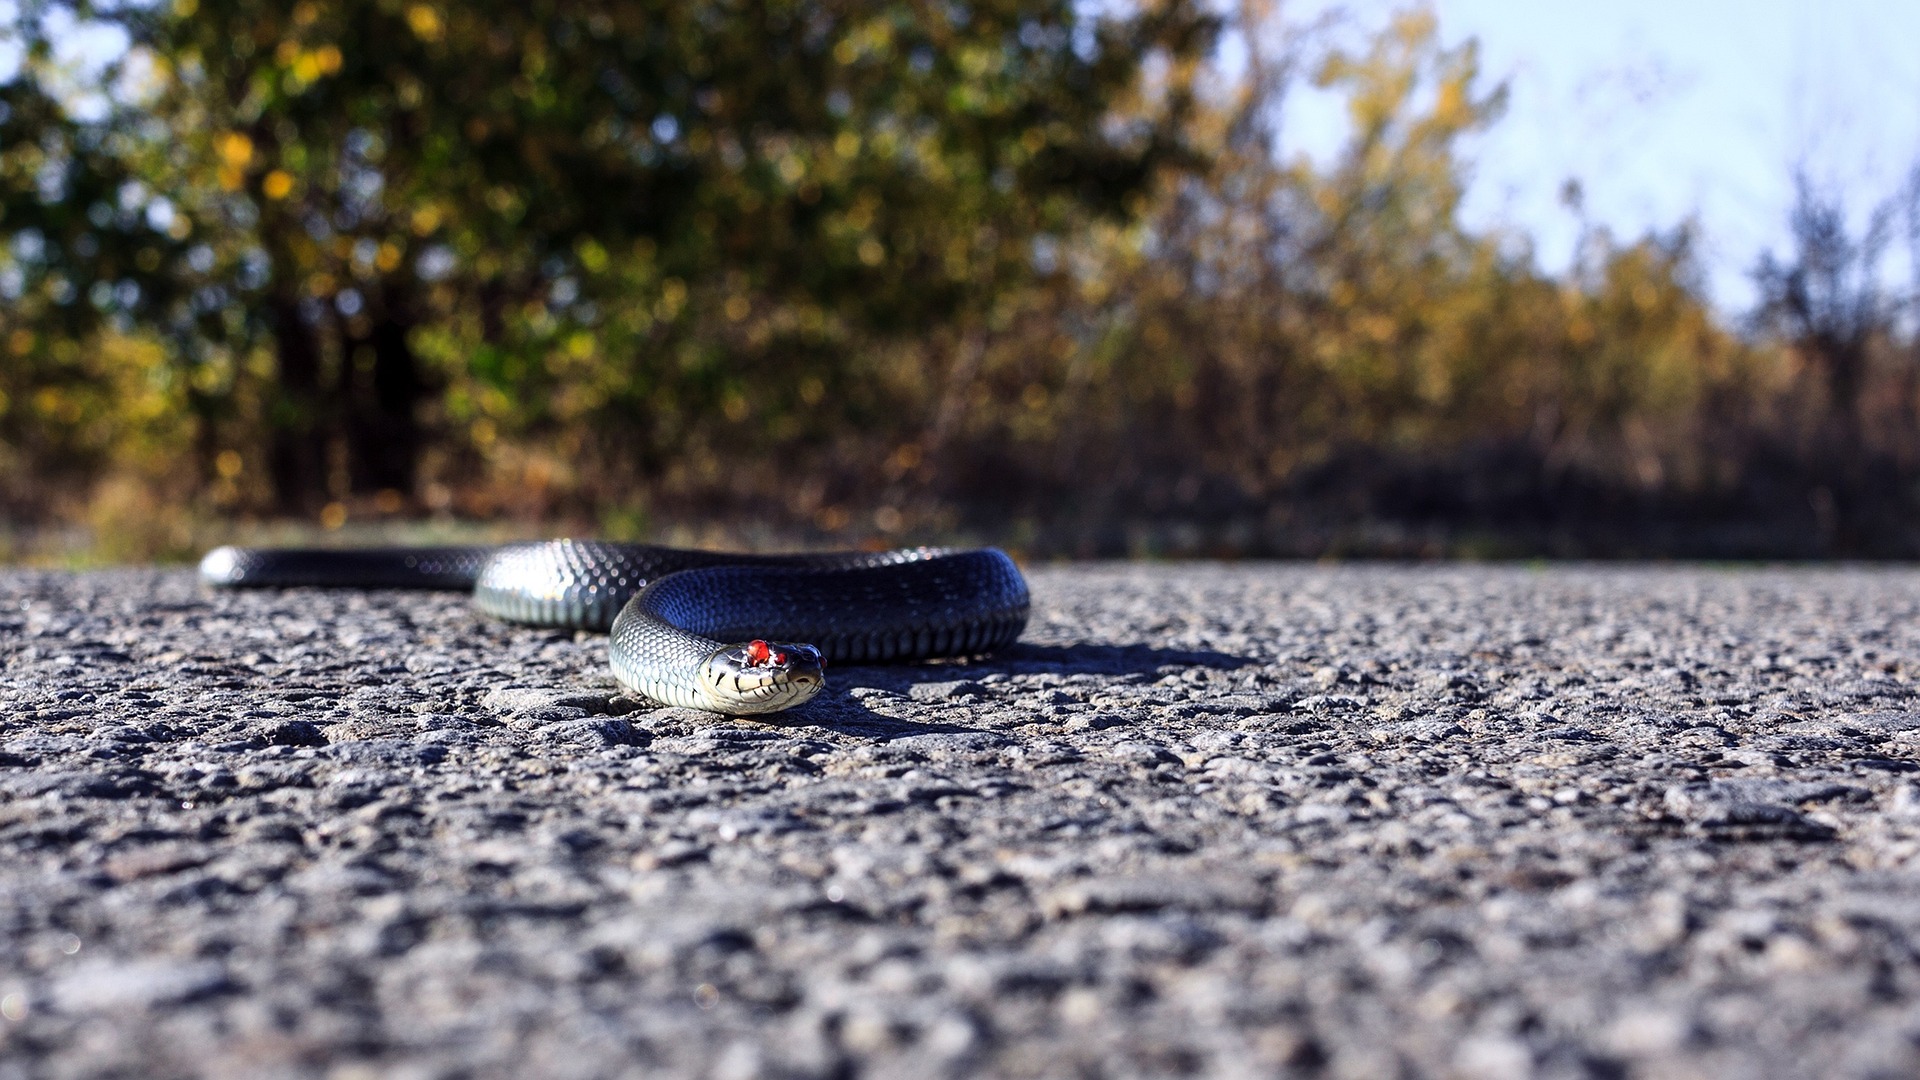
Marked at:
<point>762,676</point>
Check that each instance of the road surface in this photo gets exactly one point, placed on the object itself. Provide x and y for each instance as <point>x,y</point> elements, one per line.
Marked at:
<point>1218,820</point>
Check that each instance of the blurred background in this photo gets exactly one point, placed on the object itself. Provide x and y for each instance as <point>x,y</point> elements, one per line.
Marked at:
<point>1145,277</point>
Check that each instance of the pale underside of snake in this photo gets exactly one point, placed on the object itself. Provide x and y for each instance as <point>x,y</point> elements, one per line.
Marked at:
<point>728,633</point>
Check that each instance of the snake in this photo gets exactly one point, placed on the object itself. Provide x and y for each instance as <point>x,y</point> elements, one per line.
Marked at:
<point>724,632</point>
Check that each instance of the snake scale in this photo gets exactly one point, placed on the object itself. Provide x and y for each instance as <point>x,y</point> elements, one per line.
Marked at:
<point>728,633</point>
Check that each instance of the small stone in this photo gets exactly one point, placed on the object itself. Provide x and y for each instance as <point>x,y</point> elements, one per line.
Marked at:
<point>101,985</point>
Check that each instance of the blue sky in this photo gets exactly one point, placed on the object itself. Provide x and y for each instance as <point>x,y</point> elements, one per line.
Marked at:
<point>1665,109</point>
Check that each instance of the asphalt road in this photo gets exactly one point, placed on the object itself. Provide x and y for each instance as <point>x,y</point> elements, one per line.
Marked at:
<point>1216,820</point>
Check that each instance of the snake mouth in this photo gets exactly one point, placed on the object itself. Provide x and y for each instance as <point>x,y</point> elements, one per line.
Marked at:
<point>761,677</point>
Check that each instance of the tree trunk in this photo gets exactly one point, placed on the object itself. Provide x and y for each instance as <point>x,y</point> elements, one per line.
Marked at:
<point>384,392</point>
<point>296,452</point>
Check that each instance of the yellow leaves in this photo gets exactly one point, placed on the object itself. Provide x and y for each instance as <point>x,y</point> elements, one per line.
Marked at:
<point>504,201</point>
<point>426,219</point>
<point>236,153</point>
<point>229,464</point>
<point>1415,26</point>
<point>930,158</point>
<point>387,258</point>
<point>185,9</point>
<point>673,297</point>
<point>1383,86</point>
<point>976,61</point>
<point>278,184</point>
<point>1329,198</point>
<point>1451,110</point>
<point>425,23</point>
<point>847,145</point>
<point>483,432</point>
<point>1377,328</point>
<point>59,405</point>
<point>580,345</point>
<point>236,150</point>
<point>303,67</point>
<point>329,59</point>
<point>873,39</point>
<point>872,252</point>
<point>593,257</point>
<point>1395,190</point>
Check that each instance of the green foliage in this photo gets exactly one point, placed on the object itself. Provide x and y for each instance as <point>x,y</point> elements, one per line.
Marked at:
<point>632,215</point>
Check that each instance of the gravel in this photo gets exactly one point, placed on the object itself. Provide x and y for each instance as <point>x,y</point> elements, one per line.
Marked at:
<point>1223,820</point>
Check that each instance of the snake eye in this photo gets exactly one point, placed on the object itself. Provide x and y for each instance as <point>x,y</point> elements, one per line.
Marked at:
<point>759,652</point>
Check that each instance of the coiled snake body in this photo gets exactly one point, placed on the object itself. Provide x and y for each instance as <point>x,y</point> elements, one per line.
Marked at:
<point>728,633</point>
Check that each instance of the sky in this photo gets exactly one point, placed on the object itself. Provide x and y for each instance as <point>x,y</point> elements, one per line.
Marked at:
<point>1670,109</point>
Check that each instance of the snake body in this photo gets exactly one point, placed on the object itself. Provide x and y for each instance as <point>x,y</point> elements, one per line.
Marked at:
<point>724,632</point>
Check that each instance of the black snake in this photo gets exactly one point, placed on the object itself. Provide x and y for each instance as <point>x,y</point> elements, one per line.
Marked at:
<point>728,633</point>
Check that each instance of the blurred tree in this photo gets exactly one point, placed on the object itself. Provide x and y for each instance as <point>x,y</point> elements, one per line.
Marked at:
<point>558,184</point>
<point>1273,320</point>
<point>892,268</point>
<point>1828,304</point>
<point>84,247</point>
<point>1276,309</point>
<point>1851,335</point>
